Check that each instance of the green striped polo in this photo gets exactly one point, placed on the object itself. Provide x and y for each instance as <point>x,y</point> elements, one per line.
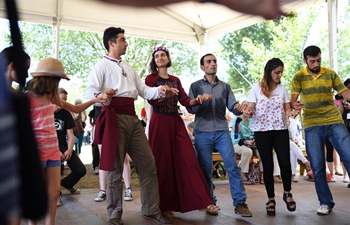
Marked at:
<point>316,94</point>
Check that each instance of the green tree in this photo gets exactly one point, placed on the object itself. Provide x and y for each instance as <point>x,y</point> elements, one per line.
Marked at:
<point>343,42</point>
<point>237,57</point>
<point>253,46</point>
<point>80,50</point>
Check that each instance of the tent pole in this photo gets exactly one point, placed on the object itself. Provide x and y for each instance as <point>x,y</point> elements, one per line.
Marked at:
<point>56,31</point>
<point>332,34</point>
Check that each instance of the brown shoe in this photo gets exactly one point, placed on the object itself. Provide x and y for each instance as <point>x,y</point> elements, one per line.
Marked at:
<point>168,214</point>
<point>157,218</point>
<point>243,210</point>
<point>116,221</point>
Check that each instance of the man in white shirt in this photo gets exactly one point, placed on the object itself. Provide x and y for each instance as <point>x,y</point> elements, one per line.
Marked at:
<point>122,132</point>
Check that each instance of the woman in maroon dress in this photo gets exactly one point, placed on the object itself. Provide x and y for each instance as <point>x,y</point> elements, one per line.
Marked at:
<point>182,186</point>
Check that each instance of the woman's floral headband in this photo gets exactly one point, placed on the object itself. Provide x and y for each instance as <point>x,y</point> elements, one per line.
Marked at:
<point>160,48</point>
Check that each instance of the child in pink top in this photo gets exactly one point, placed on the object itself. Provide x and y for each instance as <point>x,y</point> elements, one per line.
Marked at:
<point>43,93</point>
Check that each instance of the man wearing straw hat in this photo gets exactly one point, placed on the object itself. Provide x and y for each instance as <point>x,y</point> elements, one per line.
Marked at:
<point>119,130</point>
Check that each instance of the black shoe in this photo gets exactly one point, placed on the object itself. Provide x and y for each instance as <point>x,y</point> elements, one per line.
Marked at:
<point>271,209</point>
<point>289,204</point>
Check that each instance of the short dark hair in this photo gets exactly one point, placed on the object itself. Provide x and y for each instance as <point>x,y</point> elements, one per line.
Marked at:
<point>110,34</point>
<point>62,91</point>
<point>312,51</point>
<point>202,59</point>
<point>347,82</point>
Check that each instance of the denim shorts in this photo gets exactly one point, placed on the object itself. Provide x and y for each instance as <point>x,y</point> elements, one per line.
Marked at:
<point>50,163</point>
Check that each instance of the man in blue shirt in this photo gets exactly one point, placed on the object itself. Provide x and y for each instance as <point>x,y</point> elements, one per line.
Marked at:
<point>211,130</point>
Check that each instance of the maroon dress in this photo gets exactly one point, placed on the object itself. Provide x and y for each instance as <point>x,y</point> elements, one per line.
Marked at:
<point>182,186</point>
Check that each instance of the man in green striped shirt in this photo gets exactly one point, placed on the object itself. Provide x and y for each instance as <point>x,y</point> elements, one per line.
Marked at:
<point>321,119</point>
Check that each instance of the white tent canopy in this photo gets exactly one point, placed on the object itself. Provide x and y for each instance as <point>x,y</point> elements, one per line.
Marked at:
<point>186,22</point>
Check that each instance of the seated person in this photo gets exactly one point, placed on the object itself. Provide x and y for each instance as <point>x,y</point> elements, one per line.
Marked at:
<point>240,132</point>
<point>190,131</point>
<point>295,151</point>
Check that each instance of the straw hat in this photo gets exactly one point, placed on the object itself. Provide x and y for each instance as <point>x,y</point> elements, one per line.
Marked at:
<point>50,67</point>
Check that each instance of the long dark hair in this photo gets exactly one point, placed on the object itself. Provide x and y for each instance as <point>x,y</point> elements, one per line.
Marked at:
<point>265,83</point>
<point>153,66</point>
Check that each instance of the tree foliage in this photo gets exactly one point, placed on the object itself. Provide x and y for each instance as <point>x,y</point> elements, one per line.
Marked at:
<point>251,47</point>
<point>343,42</point>
<point>80,50</point>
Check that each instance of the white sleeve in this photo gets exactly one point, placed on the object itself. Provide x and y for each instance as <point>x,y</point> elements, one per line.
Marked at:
<point>286,95</point>
<point>94,84</point>
<point>252,97</point>
<point>149,93</point>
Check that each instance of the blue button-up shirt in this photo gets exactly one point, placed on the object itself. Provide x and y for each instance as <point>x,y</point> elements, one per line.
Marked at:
<point>210,116</point>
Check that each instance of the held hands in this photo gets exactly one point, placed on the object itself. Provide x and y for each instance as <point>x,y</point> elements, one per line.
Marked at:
<point>203,98</point>
<point>239,107</point>
<point>167,92</point>
<point>106,96</point>
<point>244,108</point>
<point>297,106</point>
<point>293,113</point>
<point>110,92</point>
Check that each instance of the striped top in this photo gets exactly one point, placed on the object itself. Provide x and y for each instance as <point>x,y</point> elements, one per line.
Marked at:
<point>42,116</point>
<point>316,94</point>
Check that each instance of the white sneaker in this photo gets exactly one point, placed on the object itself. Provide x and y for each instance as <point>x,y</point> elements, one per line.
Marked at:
<point>101,196</point>
<point>96,171</point>
<point>128,194</point>
<point>59,201</point>
<point>324,210</point>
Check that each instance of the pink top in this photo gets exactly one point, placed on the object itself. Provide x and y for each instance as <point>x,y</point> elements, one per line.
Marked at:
<point>42,116</point>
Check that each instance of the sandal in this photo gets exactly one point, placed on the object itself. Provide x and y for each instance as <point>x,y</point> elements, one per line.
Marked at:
<point>289,204</point>
<point>213,210</point>
<point>271,208</point>
<point>168,214</point>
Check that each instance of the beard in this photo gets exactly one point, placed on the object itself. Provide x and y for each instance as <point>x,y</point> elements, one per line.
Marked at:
<point>315,69</point>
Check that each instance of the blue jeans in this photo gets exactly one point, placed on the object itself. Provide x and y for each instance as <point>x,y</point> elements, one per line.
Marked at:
<point>205,143</point>
<point>315,138</point>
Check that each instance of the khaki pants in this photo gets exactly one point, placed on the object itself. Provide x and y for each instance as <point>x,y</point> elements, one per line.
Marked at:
<point>132,140</point>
